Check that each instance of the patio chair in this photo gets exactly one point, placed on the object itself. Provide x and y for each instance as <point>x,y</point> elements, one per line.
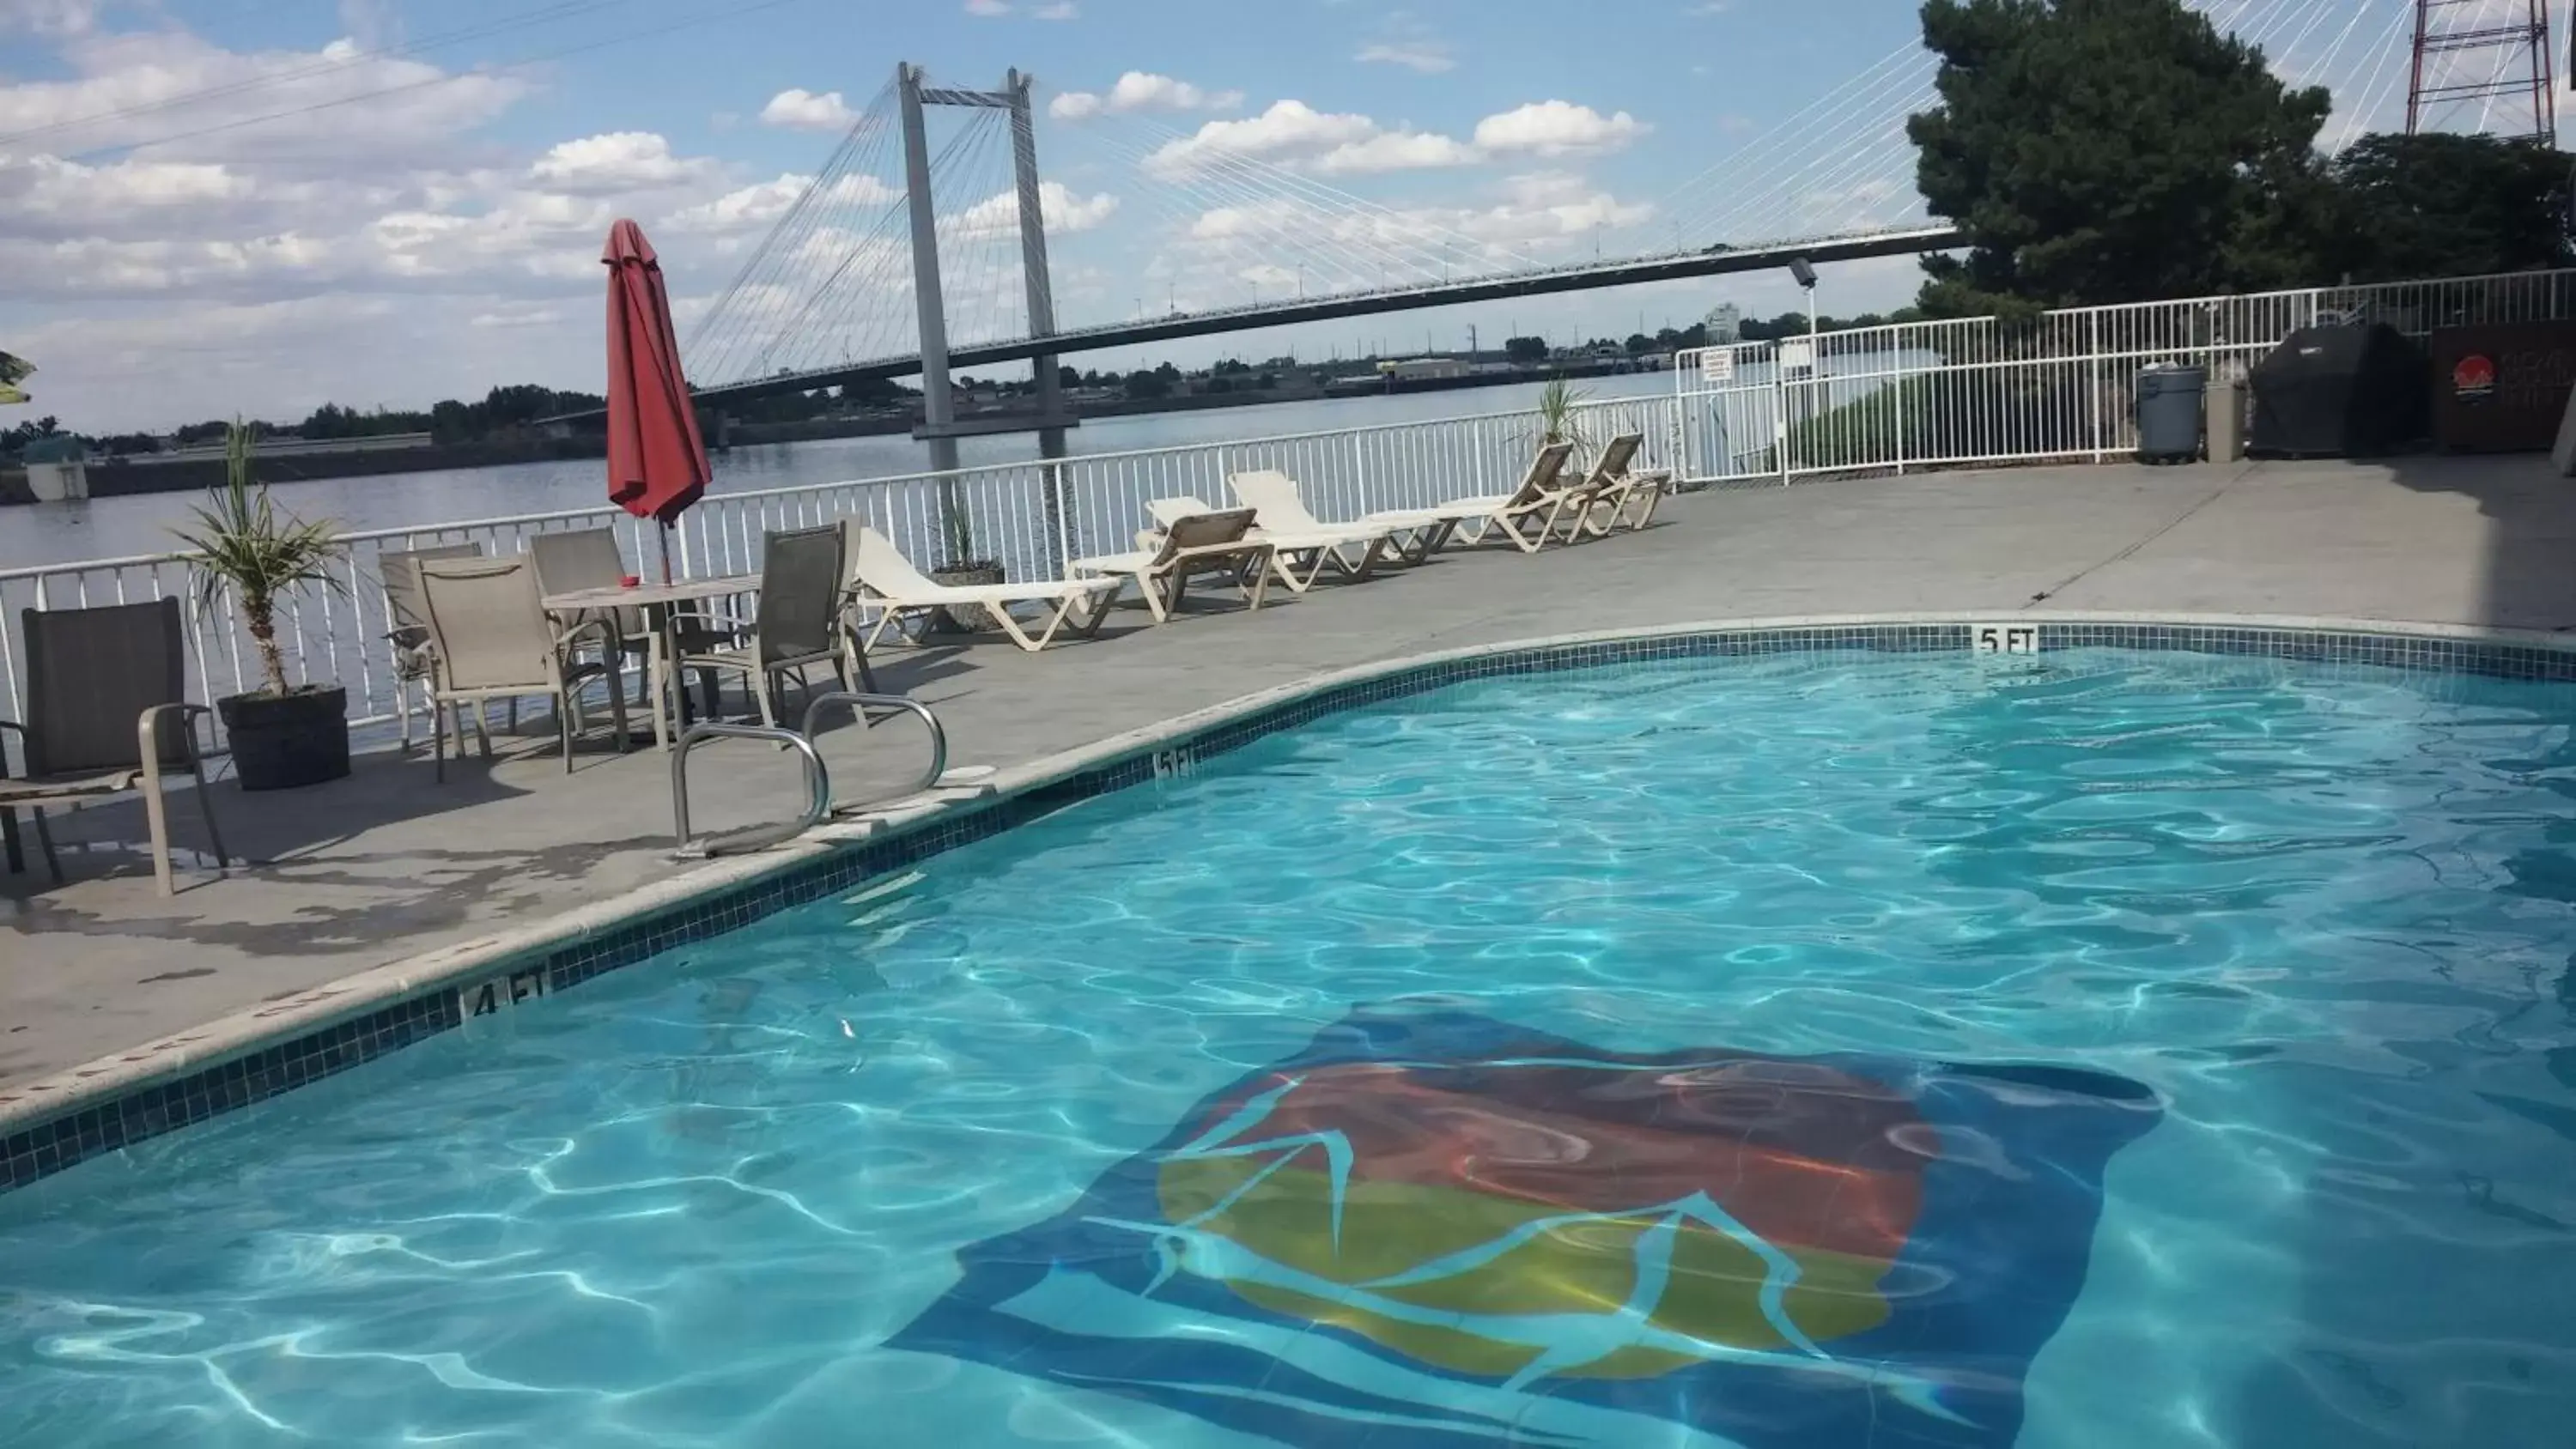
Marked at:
<point>1202,543</point>
<point>1296,559</point>
<point>488,627</point>
<point>881,578</point>
<point>1527,516</point>
<point>589,558</point>
<point>797,624</point>
<point>107,712</point>
<point>409,636</point>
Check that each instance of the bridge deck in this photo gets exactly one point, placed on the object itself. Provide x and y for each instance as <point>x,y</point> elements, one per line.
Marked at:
<point>387,864</point>
<point>1621,273</point>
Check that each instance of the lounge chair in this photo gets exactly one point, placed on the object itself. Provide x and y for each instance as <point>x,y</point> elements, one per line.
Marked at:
<point>488,624</point>
<point>796,626</point>
<point>1298,558</point>
<point>1204,543</point>
<point>409,637</point>
<point>881,578</point>
<point>1279,511</point>
<point>1527,516</point>
<point>107,713</point>
<point>1614,486</point>
<point>1275,497</point>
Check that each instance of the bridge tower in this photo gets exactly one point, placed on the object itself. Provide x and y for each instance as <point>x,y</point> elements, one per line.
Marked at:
<point>939,425</point>
<point>2481,67</point>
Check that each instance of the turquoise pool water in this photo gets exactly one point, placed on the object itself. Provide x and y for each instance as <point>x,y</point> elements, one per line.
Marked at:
<point>2106,1049</point>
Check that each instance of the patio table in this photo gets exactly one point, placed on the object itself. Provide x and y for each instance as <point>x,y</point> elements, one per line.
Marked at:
<point>661,605</point>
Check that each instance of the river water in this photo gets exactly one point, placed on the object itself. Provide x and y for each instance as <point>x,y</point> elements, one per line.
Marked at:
<point>51,533</point>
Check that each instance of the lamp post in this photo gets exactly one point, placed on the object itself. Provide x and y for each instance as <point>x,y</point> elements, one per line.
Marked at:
<point>1805,273</point>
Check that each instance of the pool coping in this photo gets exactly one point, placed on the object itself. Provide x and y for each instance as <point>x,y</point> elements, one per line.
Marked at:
<point>54,1122</point>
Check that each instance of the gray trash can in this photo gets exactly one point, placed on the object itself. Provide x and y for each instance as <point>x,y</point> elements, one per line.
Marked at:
<point>2226,424</point>
<point>2169,413</point>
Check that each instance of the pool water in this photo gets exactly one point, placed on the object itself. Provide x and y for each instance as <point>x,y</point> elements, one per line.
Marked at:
<point>2106,1049</point>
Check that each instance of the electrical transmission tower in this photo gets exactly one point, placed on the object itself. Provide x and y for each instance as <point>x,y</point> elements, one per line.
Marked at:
<point>2483,66</point>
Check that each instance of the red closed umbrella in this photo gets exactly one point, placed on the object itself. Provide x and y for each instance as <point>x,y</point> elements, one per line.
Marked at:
<point>657,463</point>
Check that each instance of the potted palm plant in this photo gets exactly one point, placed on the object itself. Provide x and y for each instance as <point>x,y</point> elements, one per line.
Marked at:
<point>282,735</point>
<point>960,565</point>
<point>1560,414</point>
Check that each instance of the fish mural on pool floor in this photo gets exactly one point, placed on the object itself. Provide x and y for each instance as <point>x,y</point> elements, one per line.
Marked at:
<point>1438,1228</point>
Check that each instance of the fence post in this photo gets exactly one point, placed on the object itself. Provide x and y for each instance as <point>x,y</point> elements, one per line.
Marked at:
<point>2093,348</point>
<point>1780,412</point>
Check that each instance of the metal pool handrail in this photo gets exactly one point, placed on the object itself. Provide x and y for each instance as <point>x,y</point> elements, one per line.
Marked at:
<point>818,786</point>
<point>861,704</point>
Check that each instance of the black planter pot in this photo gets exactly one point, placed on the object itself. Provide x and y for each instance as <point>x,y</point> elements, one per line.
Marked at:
<point>957,619</point>
<point>284,741</point>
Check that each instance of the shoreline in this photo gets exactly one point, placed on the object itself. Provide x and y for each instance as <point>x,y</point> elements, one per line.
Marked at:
<point>130,479</point>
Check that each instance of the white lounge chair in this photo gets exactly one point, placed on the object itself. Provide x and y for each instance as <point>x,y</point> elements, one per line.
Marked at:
<point>1614,487</point>
<point>1527,516</point>
<point>1298,557</point>
<point>1410,537</point>
<point>1203,543</point>
<point>884,580</point>
<point>1281,513</point>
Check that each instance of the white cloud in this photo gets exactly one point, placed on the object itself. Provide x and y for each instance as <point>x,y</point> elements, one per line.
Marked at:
<point>802,110</point>
<point>988,8</point>
<point>1142,91</point>
<point>52,196</point>
<point>517,317</point>
<point>1535,218</point>
<point>617,161</point>
<point>1289,128</point>
<point>761,204</point>
<point>1396,151</point>
<point>1428,57</point>
<point>47,17</point>
<point>1057,10</point>
<point>1557,128</point>
<point>332,110</point>
<point>1065,212</point>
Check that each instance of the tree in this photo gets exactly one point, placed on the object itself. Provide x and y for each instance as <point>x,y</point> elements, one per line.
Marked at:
<point>1639,344</point>
<point>1143,385</point>
<point>2436,205</point>
<point>2101,151</point>
<point>1068,378</point>
<point>1526,351</point>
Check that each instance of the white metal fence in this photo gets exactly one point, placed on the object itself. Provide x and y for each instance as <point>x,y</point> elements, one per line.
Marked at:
<point>2061,386</point>
<point>1032,518</point>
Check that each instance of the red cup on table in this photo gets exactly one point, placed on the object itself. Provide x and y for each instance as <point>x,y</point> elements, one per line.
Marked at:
<point>629,581</point>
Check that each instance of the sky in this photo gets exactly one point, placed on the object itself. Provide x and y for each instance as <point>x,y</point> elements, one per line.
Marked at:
<point>211,207</point>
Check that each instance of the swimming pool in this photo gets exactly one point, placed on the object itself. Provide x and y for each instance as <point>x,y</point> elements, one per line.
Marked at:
<point>2124,1048</point>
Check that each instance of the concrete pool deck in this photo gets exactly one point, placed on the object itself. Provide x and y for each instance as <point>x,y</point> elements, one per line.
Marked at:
<point>388,865</point>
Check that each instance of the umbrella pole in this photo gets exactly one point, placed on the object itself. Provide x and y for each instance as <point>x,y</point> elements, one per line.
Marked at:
<point>665,531</point>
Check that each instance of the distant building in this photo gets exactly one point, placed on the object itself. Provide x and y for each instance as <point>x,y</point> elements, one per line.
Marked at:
<point>1725,325</point>
<point>1417,369</point>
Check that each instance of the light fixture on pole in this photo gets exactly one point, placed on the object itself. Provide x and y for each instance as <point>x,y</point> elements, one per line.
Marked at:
<point>1806,275</point>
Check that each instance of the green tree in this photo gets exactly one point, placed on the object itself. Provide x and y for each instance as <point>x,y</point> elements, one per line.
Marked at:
<point>1147,385</point>
<point>2110,151</point>
<point>1527,351</point>
<point>2437,205</point>
<point>1639,344</point>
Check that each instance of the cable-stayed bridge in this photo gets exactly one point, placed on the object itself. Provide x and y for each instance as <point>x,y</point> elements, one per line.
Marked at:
<point>923,242</point>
